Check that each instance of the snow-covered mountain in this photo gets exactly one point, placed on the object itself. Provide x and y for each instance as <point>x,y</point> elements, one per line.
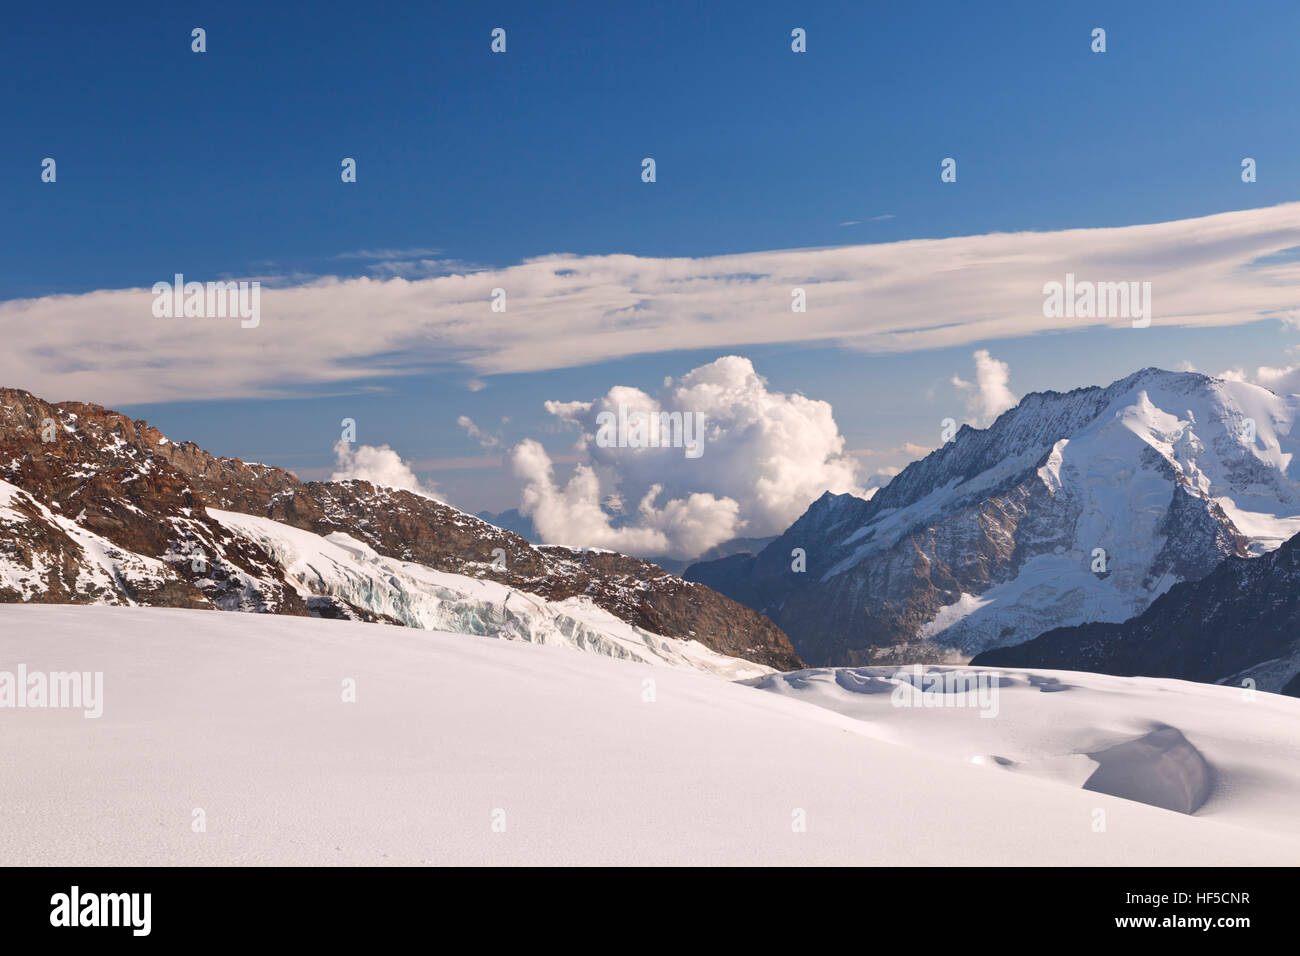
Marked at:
<point>98,509</point>
<point>458,750</point>
<point>1241,622</point>
<point>1070,508</point>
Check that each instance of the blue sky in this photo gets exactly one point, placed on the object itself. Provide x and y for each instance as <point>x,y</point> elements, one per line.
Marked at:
<point>227,164</point>
<point>494,159</point>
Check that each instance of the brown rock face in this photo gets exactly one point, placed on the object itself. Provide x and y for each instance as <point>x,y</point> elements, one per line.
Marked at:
<point>85,469</point>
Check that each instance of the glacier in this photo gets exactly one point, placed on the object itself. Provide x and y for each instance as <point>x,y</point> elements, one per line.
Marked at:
<point>340,566</point>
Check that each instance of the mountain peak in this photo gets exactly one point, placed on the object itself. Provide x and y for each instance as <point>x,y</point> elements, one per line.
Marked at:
<point>1074,506</point>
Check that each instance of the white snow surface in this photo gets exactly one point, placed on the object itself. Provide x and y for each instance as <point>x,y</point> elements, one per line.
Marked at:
<point>1221,754</point>
<point>590,760</point>
<point>339,565</point>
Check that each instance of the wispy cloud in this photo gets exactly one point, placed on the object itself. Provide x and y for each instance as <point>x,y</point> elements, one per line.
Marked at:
<point>568,310</point>
<point>420,268</point>
<point>858,222</point>
<point>389,254</point>
<point>485,439</point>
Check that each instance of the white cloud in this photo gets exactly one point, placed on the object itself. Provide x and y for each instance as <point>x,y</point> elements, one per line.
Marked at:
<point>420,253</point>
<point>989,395</point>
<point>419,268</point>
<point>568,310</point>
<point>1282,381</point>
<point>379,466</point>
<point>572,513</point>
<point>476,433</point>
<point>765,456</point>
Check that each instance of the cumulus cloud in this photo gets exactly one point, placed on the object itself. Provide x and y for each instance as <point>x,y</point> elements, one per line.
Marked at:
<point>762,457</point>
<point>989,395</point>
<point>570,310</point>
<point>1282,381</point>
<point>573,513</point>
<point>378,465</point>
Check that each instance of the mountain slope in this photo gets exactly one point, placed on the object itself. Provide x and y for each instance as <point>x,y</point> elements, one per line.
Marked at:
<point>1241,621</point>
<point>718,551</point>
<point>341,568</point>
<point>108,510</point>
<point>1070,508</point>
<point>512,520</point>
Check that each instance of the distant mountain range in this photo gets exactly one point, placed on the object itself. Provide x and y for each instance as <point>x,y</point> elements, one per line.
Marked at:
<point>1150,527</point>
<point>1070,509</point>
<point>98,509</point>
